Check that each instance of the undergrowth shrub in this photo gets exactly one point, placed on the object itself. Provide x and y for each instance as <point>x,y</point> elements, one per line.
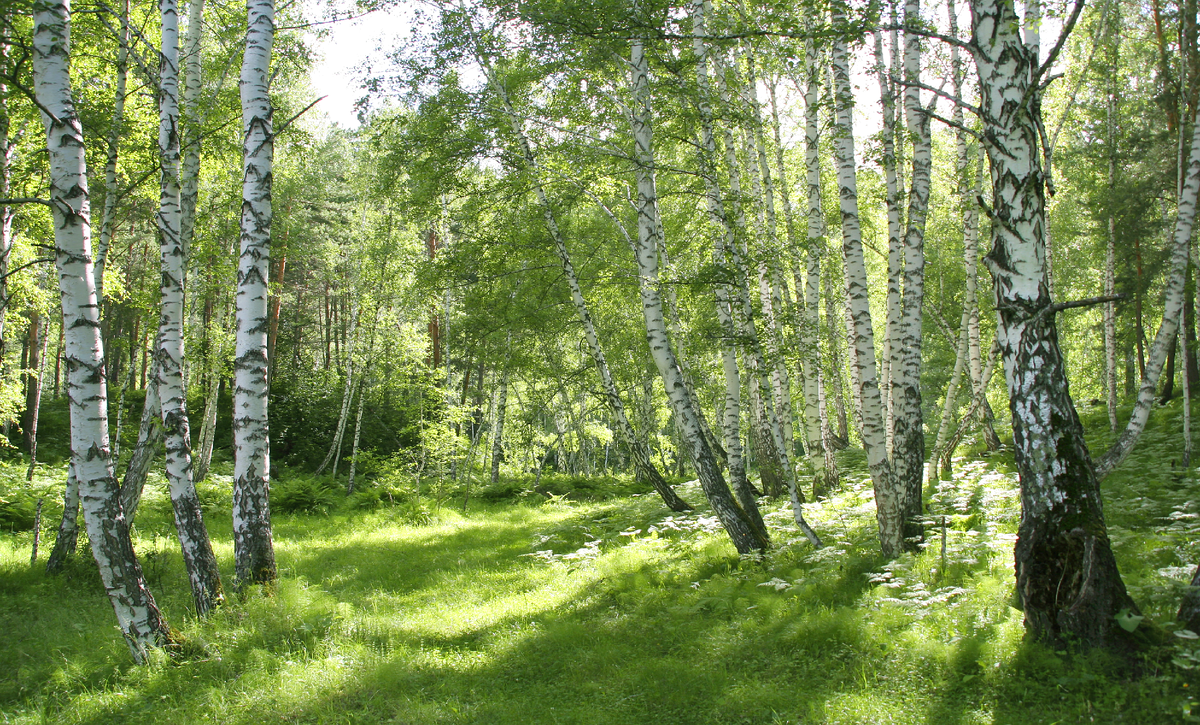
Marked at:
<point>306,494</point>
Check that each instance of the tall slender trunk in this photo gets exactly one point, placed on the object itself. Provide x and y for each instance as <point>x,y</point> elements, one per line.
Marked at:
<point>215,360</point>
<point>112,150</point>
<point>816,415</point>
<point>908,444</point>
<point>198,557</point>
<point>8,148</point>
<point>254,553</point>
<point>68,528</point>
<point>895,260</point>
<point>150,438</point>
<point>138,617</point>
<point>1110,257</point>
<point>762,431</point>
<point>189,176</point>
<point>1172,306</point>
<point>35,403</point>
<point>724,237</point>
<point>1067,578</point>
<point>33,382</point>
<point>745,538</point>
<point>770,282</point>
<point>335,449</point>
<point>889,499</point>
<point>498,428</point>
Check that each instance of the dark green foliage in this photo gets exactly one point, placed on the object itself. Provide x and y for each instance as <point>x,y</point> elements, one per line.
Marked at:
<point>305,494</point>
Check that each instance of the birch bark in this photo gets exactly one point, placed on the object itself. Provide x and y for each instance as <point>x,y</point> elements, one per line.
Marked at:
<point>741,531</point>
<point>1172,305</point>
<point>889,499</point>
<point>138,616</point>
<point>889,359</point>
<point>254,555</point>
<point>908,443</point>
<point>1067,578</point>
<point>724,238</point>
<point>112,150</point>
<point>198,557</point>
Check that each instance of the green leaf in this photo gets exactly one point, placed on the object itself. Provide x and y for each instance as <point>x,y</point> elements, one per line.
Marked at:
<point>1128,620</point>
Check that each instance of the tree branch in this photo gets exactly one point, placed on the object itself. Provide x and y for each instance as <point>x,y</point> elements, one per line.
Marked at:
<point>1062,40</point>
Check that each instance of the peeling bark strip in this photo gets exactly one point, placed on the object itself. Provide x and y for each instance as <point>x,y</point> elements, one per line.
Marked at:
<point>137,614</point>
<point>254,554</point>
<point>745,538</point>
<point>1067,578</point>
<point>198,558</point>
<point>889,502</point>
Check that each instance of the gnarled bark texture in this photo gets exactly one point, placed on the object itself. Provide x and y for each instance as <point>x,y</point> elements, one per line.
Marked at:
<point>1067,579</point>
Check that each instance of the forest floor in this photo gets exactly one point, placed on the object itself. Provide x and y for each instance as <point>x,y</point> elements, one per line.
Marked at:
<point>613,611</point>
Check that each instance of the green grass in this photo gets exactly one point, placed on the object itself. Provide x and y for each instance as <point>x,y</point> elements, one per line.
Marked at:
<point>613,611</point>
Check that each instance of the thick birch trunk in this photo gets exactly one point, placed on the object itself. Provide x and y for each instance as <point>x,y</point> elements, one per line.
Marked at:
<point>889,499</point>
<point>137,614</point>
<point>1067,578</point>
<point>254,554</point>
<point>198,558</point>
<point>741,530</point>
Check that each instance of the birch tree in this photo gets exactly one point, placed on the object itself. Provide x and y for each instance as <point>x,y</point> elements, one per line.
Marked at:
<point>889,500</point>
<point>746,537</point>
<point>639,451</point>
<point>254,554</point>
<point>138,617</point>
<point>1067,578</point>
<point>198,558</point>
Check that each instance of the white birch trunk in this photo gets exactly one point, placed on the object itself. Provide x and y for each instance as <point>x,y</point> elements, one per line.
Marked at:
<point>745,538</point>
<point>908,444</point>
<point>1067,578</point>
<point>190,136</point>
<point>889,501</point>
<point>113,148</point>
<point>888,361</point>
<point>639,451</point>
<point>335,449</point>
<point>198,558</point>
<point>254,555</point>
<point>1172,306</point>
<point>723,239</point>
<point>1110,264</point>
<point>137,614</point>
<point>763,432</point>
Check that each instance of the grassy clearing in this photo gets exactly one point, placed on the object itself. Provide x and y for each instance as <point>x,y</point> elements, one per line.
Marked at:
<point>611,611</point>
